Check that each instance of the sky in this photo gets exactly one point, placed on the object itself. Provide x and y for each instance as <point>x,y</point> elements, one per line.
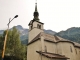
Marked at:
<point>57,15</point>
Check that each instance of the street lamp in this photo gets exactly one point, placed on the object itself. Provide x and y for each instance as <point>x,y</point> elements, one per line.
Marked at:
<point>6,37</point>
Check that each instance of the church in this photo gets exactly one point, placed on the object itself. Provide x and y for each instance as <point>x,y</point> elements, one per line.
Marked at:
<point>43,46</point>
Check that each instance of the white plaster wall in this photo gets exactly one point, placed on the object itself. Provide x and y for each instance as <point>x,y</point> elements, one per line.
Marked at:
<point>51,47</point>
<point>77,53</point>
<point>64,49</point>
<point>33,33</point>
<point>31,51</point>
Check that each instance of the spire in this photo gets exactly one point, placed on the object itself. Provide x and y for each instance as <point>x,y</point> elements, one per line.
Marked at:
<point>36,6</point>
<point>36,14</point>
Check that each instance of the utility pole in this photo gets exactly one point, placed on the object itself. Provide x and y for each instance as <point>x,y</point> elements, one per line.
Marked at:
<point>3,52</point>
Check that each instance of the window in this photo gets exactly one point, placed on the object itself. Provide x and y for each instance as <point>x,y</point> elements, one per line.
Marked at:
<point>76,51</point>
<point>38,26</point>
<point>45,49</point>
<point>71,48</point>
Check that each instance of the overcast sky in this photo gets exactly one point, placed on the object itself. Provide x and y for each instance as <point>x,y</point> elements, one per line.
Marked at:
<point>56,14</point>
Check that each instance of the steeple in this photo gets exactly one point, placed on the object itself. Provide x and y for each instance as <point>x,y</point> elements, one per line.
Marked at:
<point>35,26</point>
<point>36,14</point>
<point>36,6</point>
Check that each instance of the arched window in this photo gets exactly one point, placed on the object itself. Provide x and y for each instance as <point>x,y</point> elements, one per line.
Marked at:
<point>76,51</point>
<point>38,26</point>
<point>45,49</point>
<point>70,48</point>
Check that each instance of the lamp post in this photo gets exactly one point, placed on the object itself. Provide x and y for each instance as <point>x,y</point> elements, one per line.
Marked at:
<point>6,37</point>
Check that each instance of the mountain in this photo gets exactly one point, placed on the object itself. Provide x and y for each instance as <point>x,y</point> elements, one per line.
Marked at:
<point>24,33</point>
<point>50,32</point>
<point>22,30</point>
<point>72,34</point>
<point>1,31</point>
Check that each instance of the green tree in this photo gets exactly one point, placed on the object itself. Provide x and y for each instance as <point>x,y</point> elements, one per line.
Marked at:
<point>1,45</point>
<point>14,48</point>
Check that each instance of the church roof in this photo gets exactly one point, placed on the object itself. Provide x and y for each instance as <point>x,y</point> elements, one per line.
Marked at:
<point>53,39</point>
<point>31,22</point>
<point>52,55</point>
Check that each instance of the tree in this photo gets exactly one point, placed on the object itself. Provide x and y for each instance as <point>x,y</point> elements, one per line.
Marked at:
<point>14,48</point>
<point>1,45</point>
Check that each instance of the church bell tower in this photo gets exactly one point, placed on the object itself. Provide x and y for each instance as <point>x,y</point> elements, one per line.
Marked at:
<point>35,26</point>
